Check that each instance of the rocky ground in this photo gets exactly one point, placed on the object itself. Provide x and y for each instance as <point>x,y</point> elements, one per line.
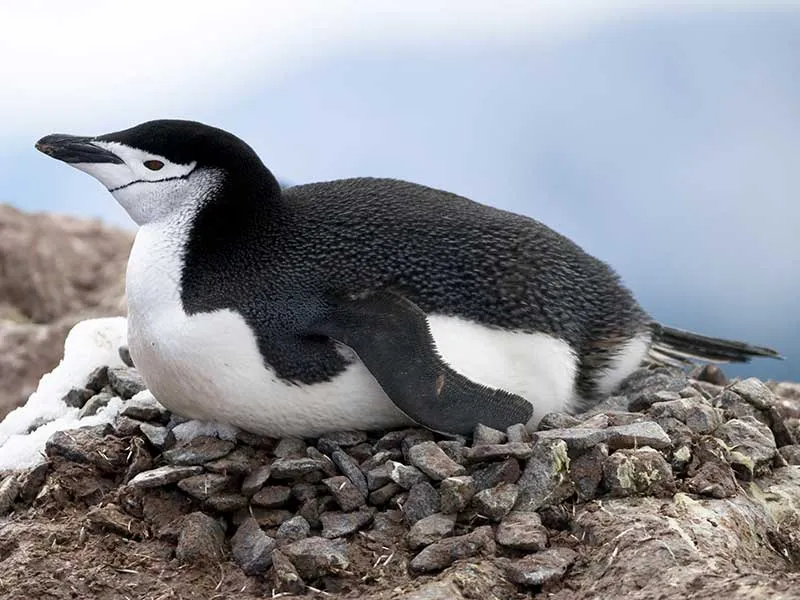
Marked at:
<point>54,271</point>
<point>678,488</point>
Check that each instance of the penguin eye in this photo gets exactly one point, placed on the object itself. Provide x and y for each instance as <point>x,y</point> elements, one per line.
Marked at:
<point>153,165</point>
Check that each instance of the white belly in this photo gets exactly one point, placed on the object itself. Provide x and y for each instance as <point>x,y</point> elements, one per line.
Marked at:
<point>207,366</point>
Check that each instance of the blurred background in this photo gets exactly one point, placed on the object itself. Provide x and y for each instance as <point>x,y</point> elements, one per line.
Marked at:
<point>663,137</point>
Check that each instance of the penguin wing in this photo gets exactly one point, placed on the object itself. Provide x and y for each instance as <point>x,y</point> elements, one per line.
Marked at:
<point>391,336</point>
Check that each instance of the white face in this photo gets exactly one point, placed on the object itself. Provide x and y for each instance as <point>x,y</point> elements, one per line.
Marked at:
<point>148,186</point>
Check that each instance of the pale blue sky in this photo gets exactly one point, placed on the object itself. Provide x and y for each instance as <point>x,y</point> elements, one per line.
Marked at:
<point>666,142</point>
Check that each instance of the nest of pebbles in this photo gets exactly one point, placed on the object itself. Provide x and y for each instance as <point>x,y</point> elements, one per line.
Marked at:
<point>304,514</point>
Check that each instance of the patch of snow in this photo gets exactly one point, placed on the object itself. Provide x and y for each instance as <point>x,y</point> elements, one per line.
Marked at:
<point>192,429</point>
<point>90,344</point>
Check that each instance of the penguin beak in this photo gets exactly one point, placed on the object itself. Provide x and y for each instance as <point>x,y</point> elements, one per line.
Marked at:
<point>75,149</point>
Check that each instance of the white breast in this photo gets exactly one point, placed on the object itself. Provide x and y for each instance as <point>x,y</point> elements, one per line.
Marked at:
<point>208,366</point>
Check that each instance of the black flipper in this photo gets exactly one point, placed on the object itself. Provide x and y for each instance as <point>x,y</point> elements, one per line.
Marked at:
<point>390,335</point>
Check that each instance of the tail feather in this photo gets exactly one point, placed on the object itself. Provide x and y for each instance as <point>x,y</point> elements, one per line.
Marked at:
<point>676,346</point>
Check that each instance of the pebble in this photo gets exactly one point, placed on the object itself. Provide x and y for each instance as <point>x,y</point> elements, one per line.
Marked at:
<point>641,471</point>
<point>412,438</point>
<point>201,538</point>
<point>98,379</point>
<point>714,479</point>
<point>454,449</point>
<point>327,466</point>
<point>256,479</point>
<point>287,579</point>
<point>496,502</point>
<point>492,452</point>
<point>634,435</point>
<point>144,407</point>
<point>272,496</point>
<point>89,445</point>
<point>305,491</point>
<point>315,557</point>
<point>423,500</point>
<point>163,476</point>
<point>344,438</point>
<point>507,471</point>
<point>350,469</point>
<point>379,476</point>
<point>431,460</point>
<point>296,528</point>
<point>111,518</point>
<point>522,531</point>
<point>384,494</point>
<point>252,548</point>
<point>557,420</point>
<point>159,436</point>
<point>755,392</point>
<point>126,427</point>
<point>456,493</point>
<point>790,453</point>
<point>77,397</point>
<point>752,445</point>
<point>31,483</point>
<point>94,404</point>
<point>392,439</point>
<point>226,503</point>
<point>139,459</point>
<point>269,518</point>
<point>486,435</point>
<point>199,450</point>
<point>294,468</point>
<point>347,495</point>
<point>125,382</point>
<point>290,447</point>
<point>405,475</point>
<point>540,569</point>
<point>429,530</point>
<point>339,524</point>
<point>9,490</point>
<point>444,553</point>
<point>545,479</point>
<point>518,434</point>
<point>236,463</point>
<point>586,471</point>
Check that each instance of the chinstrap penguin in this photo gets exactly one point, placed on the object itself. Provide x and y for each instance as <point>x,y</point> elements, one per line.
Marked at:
<point>358,303</point>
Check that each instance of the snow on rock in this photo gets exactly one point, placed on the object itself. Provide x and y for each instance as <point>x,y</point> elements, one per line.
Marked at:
<point>90,344</point>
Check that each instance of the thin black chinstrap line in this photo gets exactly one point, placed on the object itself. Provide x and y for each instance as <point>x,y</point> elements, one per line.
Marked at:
<point>122,187</point>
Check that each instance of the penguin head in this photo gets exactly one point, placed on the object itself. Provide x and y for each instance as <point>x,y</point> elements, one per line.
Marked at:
<point>159,168</point>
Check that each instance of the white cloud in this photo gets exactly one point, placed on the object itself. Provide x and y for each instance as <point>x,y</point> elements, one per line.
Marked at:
<point>70,65</point>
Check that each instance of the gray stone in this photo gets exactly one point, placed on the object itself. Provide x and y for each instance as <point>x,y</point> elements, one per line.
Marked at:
<point>256,479</point>
<point>339,524</point>
<point>145,407</point>
<point>163,476</point>
<point>456,493</point>
<point>95,404</point>
<point>31,482</point>
<point>586,471</point>
<point>327,466</point>
<point>305,491</point>
<point>344,438</point>
<point>296,528</point>
<point>236,463</point>
<point>751,443</point>
<point>269,518</point>
<point>379,476</point>
<point>492,452</point>
<point>791,454</point>
<point>507,471</point>
<point>736,407</point>
<point>159,436</point>
<point>290,447</point>
<point>430,529</point>
<point>678,432</point>
<point>702,418</point>
<point>392,439</point>
<point>412,438</point>
<point>642,471</point>
<point>126,427</point>
<point>540,569</point>
<point>423,500</point>
<point>444,553</point>
<point>317,556</point>
<point>518,434</point>
<point>714,479</point>
<point>522,531</point>
<point>272,496</point>
<point>405,475</point>
<point>252,548</point>
<point>287,579</point>
<point>139,459</point>
<point>350,469</point>
<point>384,494</point>
<point>557,420</point>
<point>486,435</point>
<point>9,491</point>
<point>755,392</point>
<point>380,458</point>
<point>545,479</point>
<point>454,449</point>
<point>495,503</point>
<point>294,468</point>
<point>199,450</point>
<point>89,445</point>
<point>226,503</point>
<point>431,460</point>
<point>201,539</point>
<point>125,382</point>
<point>347,496</point>
<point>77,397</point>
<point>634,435</point>
<point>111,518</point>
<point>98,379</point>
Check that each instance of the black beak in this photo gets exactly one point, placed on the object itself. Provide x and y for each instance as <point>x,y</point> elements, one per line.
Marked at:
<point>74,149</point>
